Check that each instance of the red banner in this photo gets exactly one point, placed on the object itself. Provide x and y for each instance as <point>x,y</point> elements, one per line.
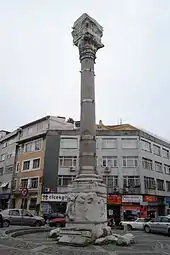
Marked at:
<point>114,199</point>
<point>143,211</point>
<point>150,199</point>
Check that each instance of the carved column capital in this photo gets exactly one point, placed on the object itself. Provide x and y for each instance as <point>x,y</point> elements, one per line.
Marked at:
<point>87,34</point>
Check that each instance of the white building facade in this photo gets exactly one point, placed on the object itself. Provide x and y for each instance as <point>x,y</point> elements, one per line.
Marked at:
<point>134,164</point>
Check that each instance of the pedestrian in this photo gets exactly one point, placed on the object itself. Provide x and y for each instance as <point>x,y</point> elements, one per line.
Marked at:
<point>1,221</point>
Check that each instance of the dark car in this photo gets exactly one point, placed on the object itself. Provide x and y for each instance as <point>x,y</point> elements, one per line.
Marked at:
<point>56,220</point>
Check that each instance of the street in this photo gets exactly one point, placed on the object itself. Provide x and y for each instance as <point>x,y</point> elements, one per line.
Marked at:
<point>40,244</point>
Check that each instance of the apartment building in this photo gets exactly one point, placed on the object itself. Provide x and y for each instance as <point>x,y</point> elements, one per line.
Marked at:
<point>7,161</point>
<point>135,166</point>
<point>35,153</point>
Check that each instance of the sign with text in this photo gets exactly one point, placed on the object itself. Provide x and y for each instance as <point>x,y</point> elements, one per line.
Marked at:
<point>150,199</point>
<point>54,197</point>
<point>132,199</point>
<point>114,199</point>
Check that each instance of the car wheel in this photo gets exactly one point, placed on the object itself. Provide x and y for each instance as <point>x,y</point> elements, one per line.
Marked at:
<point>129,227</point>
<point>147,229</point>
<point>6,223</point>
<point>38,223</point>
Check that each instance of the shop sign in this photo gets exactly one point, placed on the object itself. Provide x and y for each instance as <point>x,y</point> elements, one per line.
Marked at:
<point>132,199</point>
<point>130,208</point>
<point>114,199</point>
<point>150,199</point>
<point>54,197</point>
<point>5,196</point>
<point>168,201</point>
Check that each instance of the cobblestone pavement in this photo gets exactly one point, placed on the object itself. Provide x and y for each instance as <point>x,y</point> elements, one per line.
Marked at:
<point>40,244</point>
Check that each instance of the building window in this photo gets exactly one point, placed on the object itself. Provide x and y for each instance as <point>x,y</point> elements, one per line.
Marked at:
<point>9,169</point>
<point>36,163</point>
<point>109,161</point>
<point>65,180</point>
<point>17,167</point>
<point>33,203</point>
<point>167,169</point>
<point>156,150</point>
<point>131,181</point>
<point>147,164</point>
<point>129,143</point>
<point>130,161</point>
<point>160,184</point>
<point>33,146</point>
<point>1,171</point>
<point>34,183</point>
<point>28,147</point>
<point>26,165</point>
<point>149,183</point>
<point>69,143</point>
<point>2,157</point>
<point>165,153</point>
<point>168,186</point>
<point>31,164</point>
<point>110,181</point>
<point>37,145</point>
<point>20,150</point>
<point>158,167</point>
<point>146,146</point>
<point>24,183</point>
<point>29,130</point>
<point>68,161</point>
<point>109,143</point>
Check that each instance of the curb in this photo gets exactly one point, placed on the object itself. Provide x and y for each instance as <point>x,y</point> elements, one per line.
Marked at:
<point>19,232</point>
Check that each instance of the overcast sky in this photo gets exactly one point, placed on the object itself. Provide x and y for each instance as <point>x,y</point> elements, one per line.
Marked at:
<point>39,66</point>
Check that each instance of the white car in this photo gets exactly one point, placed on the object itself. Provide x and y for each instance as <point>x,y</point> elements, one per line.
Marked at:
<point>136,224</point>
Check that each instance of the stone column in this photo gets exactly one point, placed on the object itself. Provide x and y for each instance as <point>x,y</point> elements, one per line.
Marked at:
<point>88,42</point>
<point>87,204</point>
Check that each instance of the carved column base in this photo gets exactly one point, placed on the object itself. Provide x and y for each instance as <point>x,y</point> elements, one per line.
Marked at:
<point>86,214</point>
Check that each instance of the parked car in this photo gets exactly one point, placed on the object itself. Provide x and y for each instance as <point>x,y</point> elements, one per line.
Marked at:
<point>56,220</point>
<point>136,224</point>
<point>20,217</point>
<point>160,224</point>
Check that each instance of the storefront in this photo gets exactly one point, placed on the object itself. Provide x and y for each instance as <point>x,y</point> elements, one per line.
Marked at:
<point>113,206</point>
<point>131,206</point>
<point>53,203</point>
<point>167,201</point>
<point>4,200</point>
<point>152,206</point>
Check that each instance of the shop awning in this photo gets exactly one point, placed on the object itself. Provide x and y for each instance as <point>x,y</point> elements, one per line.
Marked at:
<point>4,184</point>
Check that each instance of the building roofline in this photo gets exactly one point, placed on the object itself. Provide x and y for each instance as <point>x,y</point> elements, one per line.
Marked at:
<point>9,135</point>
<point>35,121</point>
<point>2,130</point>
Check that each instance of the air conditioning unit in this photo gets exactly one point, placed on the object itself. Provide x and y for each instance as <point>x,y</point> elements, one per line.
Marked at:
<point>72,169</point>
<point>107,170</point>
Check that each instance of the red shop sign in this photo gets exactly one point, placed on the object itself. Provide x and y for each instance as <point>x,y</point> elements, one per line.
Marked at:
<point>150,199</point>
<point>130,208</point>
<point>114,199</point>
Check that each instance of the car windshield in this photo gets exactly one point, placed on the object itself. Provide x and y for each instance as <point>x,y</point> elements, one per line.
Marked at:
<point>140,220</point>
